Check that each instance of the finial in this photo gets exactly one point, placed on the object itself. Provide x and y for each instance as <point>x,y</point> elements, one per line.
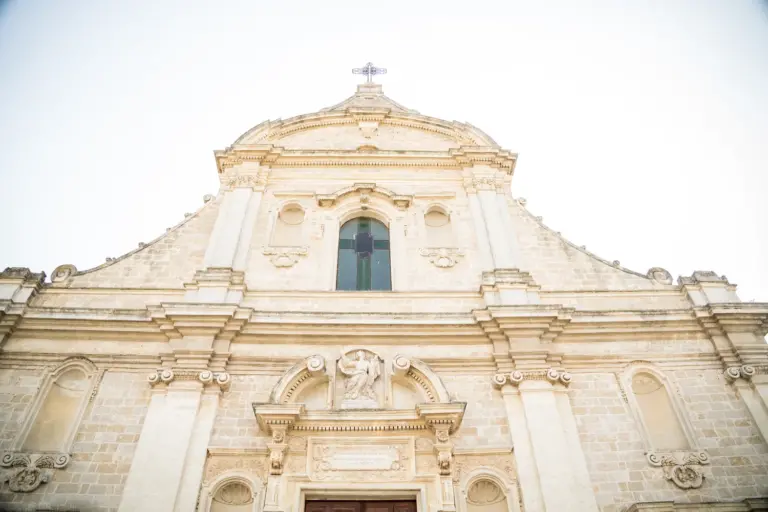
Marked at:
<point>369,70</point>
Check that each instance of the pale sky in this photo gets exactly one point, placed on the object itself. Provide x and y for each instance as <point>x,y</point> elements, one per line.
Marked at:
<point>642,126</point>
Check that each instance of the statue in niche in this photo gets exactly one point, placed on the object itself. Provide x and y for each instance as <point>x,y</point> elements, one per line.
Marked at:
<point>361,373</point>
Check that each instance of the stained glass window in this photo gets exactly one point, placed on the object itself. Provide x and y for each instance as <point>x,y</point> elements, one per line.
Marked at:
<point>363,256</point>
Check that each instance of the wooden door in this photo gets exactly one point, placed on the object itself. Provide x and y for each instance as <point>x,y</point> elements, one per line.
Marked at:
<point>360,506</point>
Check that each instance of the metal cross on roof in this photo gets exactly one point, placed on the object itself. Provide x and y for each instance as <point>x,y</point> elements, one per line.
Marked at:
<point>369,70</point>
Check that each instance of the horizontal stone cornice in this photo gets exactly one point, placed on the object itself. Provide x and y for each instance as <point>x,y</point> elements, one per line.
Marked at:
<point>549,323</point>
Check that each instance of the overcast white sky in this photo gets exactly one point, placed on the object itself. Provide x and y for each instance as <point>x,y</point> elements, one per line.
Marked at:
<point>642,126</point>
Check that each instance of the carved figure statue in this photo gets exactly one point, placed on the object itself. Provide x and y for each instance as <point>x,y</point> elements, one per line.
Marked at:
<point>361,374</point>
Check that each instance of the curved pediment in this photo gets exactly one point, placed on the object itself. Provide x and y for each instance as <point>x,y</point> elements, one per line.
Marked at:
<point>368,120</point>
<point>359,375</point>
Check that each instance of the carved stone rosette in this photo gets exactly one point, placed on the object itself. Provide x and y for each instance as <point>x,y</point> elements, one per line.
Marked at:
<point>682,468</point>
<point>442,257</point>
<point>284,257</point>
<point>207,377</point>
<point>28,470</point>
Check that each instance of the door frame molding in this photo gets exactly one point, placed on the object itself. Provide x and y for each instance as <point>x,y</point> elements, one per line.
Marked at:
<point>361,491</point>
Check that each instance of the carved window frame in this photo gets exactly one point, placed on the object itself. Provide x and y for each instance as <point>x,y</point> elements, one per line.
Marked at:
<point>674,395</point>
<point>508,487</point>
<point>376,210</point>
<point>49,378</point>
<point>254,484</point>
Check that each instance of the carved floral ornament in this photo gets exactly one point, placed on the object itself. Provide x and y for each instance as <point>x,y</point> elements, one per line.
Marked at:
<point>517,376</point>
<point>442,257</point>
<point>29,470</point>
<point>681,468</point>
<point>206,377</point>
<point>284,257</point>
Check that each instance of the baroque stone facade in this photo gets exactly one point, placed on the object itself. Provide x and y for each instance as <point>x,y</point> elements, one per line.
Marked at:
<point>364,311</point>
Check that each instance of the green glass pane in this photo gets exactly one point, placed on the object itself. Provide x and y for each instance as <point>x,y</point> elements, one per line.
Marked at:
<point>363,273</point>
<point>379,230</point>
<point>348,230</point>
<point>380,270</point>
<point>346,275</point>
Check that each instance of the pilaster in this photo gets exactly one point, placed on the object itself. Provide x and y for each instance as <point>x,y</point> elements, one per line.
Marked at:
<point>227,253</point>
<point>751,384</point>
<point>18,285</point>
<point>551,464</point>
<point>168,463</point>
<point>737,330</point>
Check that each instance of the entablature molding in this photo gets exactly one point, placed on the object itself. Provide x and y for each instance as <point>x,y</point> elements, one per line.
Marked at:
<point>274,418</point>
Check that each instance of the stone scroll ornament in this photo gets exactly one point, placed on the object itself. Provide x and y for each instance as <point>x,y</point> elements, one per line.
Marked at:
<point>361,373</point>
<point>28,470</point>
<point>682,469</point>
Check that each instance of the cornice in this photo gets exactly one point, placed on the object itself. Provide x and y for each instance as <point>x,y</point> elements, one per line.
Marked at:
<point>548,322</point>
<point>391,114</point>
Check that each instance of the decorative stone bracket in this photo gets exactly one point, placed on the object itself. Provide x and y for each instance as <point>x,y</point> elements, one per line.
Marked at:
<point>745,372</point>
<point>283,257</point>
<point>443,419</point>
<point>517,376</point>
<point>28,470</point>
<point>442,257</point>
<point>682,468</point>
<point>207,377</point>
<point>277,420</point>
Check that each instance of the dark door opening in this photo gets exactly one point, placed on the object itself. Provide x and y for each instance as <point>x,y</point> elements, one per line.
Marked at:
<point>360,506</point>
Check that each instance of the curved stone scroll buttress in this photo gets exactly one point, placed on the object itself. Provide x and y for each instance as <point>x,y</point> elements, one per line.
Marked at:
<point>314,371</point>
<point>299,377</point>
<point>413,370</point>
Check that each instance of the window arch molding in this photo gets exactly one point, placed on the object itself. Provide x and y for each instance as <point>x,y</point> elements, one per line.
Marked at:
<point>376,209</point>
<point>209,490</point>
<point>51,376</point>
<point>673,395</point>
<point>508,487</point>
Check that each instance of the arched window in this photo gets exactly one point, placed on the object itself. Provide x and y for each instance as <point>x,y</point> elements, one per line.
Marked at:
<point>363,256</point>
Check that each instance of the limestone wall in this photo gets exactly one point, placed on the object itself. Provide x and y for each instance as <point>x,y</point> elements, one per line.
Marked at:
<point>103,447</point>
<point>614,448</point>
<point>485,418</point>
<point>167,262</point>
<point>235,425</point>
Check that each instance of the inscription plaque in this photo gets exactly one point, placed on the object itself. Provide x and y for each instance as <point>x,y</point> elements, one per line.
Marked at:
<point>380,459</point>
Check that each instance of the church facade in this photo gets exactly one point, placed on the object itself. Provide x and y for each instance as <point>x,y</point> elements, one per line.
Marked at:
<point>364,318</point>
